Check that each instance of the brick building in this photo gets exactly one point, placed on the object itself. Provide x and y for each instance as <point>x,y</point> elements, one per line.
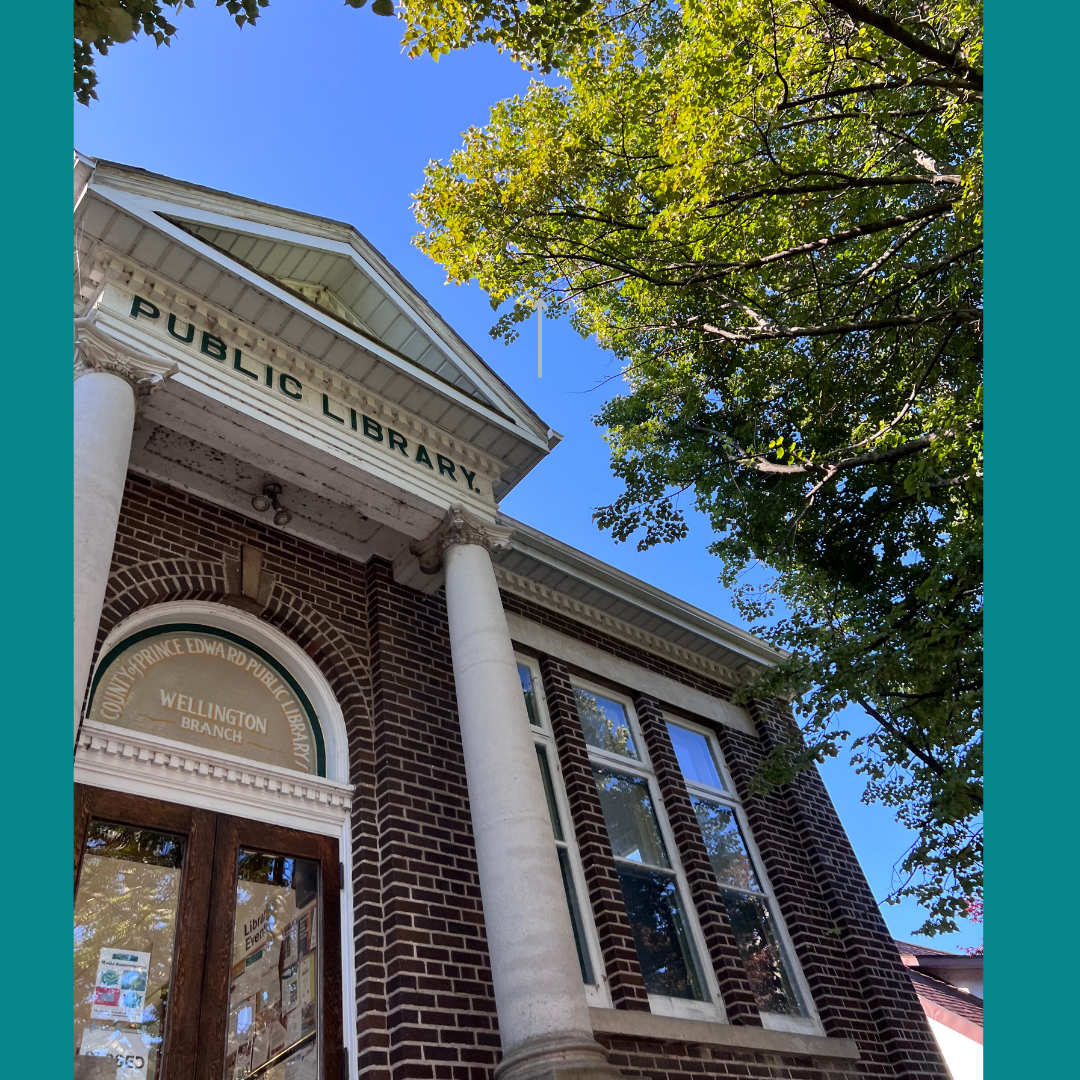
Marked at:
<point>371,780</point>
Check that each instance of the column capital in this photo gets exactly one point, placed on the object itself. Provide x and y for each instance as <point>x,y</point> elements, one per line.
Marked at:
<point>97,350</point>
<point>460,526</point>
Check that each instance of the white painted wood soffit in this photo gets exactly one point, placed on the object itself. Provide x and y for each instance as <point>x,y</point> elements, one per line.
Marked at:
<point>126,211</point>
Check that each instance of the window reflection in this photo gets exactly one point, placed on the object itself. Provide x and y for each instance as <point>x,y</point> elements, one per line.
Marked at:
<point>725,845</point>
<point>650,892</point>
<point>766,967</point>
<point>125,925</point>
<point>695,757</point>
<point>604,723</point>
<point>274,985</point>
<point>525,675</point>
<point>762,957</point>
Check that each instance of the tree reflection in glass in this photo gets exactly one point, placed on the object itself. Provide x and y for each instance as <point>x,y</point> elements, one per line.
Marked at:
<point>125,925</point>
<point>650,892</point>
<point>760,951</point>
<point>275,980</point>
<point>748,914</point>
<point>604,723</point>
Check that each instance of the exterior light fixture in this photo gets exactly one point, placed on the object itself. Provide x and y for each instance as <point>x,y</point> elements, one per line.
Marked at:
<point>271,496</point>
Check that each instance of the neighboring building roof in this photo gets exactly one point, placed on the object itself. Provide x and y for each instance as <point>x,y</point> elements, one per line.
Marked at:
<point>954,1008</point>
<point>949,1005</point>
<point>907,949</point>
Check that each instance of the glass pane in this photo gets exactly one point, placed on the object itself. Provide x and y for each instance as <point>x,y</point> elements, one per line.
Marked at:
<point>575,917</point>
<point>274,988</point>
<point>604,723</point>
<point>630,818</point>
<point>695,757</point>
<point>549,791</point>
<point>764,961</point>
<point>525,675</point>
<point>724,843</point>
<point>664,950</point>
<point>125,925</point>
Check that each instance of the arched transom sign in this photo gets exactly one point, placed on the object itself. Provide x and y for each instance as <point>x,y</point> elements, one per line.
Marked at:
<point>207,687</point>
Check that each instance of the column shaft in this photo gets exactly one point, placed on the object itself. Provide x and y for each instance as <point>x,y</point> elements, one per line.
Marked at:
<point>104,421</point>
<point>543,1015</point>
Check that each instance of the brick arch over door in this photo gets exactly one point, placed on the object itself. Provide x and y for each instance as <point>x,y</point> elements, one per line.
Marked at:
<point>142,585</point>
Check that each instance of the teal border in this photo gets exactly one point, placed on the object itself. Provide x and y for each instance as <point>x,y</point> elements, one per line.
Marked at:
<point>39,706</point>
<point>1032,402</point>
<point>201,628</point>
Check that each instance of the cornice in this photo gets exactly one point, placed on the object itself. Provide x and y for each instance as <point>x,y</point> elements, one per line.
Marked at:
<point>119,270</point>
<point>127,760</point>
<point>623,631</point>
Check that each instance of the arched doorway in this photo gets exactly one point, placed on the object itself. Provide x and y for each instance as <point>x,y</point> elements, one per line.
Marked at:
<point>211,855</point>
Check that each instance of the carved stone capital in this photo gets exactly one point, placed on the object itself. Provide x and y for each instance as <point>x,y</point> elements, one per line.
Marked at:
<point>96,350</point>
<point>460,526</point>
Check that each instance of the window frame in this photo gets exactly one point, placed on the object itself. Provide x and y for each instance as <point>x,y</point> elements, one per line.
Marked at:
<point>642,768</point>
<point>729,799</point>
<point>597,994</point>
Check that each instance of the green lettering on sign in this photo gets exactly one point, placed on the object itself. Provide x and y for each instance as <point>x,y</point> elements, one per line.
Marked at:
<point>214,347</point>
<point>238,364</point>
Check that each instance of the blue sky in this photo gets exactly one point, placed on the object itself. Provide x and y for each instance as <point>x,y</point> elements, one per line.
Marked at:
<point>317,109</point>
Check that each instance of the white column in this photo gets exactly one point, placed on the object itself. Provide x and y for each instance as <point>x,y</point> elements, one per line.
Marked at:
<point>108,382</point>
<point>543,1015</point>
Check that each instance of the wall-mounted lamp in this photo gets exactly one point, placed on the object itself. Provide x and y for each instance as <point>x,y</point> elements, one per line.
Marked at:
<point>271,496</point>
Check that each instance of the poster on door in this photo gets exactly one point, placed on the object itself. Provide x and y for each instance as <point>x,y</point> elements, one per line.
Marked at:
<point>120,986</point>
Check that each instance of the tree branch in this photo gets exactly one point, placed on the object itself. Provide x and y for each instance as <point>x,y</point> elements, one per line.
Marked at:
<point>891,28</point>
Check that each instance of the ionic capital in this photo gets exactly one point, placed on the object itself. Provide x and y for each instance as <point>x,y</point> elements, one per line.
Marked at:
<point>96,350</point>
<point>460,526</point>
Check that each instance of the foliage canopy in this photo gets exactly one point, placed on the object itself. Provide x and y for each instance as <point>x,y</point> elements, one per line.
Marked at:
<point>770,212</point>
<point>536,33</point>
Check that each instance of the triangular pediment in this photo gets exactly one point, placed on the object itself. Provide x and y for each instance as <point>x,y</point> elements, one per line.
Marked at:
<point>338,286</point>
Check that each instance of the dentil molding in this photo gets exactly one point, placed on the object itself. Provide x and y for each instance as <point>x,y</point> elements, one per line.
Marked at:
<point>613,627</point>
<point>130,761</point>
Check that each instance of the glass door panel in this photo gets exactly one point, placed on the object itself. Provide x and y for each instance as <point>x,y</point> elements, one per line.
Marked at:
<point>125,926</point>
<point>274,981</point>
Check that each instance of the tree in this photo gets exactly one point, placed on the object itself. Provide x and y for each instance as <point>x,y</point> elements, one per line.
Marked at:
<point>770,212</point>
<point>534,33</point>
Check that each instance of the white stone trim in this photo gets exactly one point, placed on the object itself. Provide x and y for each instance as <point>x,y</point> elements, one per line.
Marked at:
<point>596,661</point>
<point>130,761</point>
<point>616,628</point>
<point>291,657</point>
<point>96,350</point>
<point>126,274</point>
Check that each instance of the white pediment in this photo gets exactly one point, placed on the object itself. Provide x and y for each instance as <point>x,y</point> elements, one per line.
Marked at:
<point>342,287</point>
<point>307,284</point>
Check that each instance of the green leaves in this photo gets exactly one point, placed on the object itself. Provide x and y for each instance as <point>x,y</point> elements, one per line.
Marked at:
<point>770,212</point>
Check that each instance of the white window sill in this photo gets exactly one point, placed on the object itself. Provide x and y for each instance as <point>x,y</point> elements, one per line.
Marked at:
<point>685,1009</point>
<point>642,1025</point>
<point>800,1025</point>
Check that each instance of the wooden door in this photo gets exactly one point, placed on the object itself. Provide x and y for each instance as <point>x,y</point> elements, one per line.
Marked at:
<point>221,934</point>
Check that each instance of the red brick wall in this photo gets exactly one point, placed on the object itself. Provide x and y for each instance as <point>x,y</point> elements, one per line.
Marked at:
<point>423,981</point>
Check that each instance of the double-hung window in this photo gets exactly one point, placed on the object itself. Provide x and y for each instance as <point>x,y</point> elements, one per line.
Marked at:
<point>588,946</point>
<point>781,998</point>
<point>666,933</point>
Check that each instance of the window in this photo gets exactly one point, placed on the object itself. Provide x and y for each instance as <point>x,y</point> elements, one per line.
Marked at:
<point>666,935</point>
<point>751,910</point>
<point>573,879</point>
